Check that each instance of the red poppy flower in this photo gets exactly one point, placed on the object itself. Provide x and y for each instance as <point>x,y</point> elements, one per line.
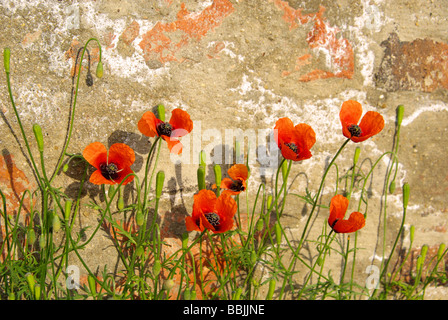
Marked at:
<point>113,165</point>
<point>212,213</point>
<point>238,174</point>
<point>338,208</point>
<point>294,142</point>
<point>179,125</point>
<point>371,124</point>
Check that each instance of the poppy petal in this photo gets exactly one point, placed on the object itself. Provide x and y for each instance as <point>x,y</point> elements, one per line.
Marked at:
<point>350,113</point>
<point>191,224</point>
<point>238,171</point>
<point>338,207</point>
<point>287,152</point>
<point>97,178</point>
<point>226,183</point>
<point>203,202</point>
<point>95,154</point>
<point>148,124</point>
<point>304,135</point>
<point>121,154</point>
<point>180,119</point>
<point>226,207</point>
<point>355,222</point>
<point>174,145</point>
<point>371,124</point>
<point>123,173</point>
<point>283,130</point>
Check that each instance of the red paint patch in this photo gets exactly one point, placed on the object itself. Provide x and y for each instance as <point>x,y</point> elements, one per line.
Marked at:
<point>157,43</point>
<point>321,38</point>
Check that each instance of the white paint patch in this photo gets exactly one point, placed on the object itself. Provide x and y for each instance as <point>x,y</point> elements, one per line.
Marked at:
<point>371,20</point>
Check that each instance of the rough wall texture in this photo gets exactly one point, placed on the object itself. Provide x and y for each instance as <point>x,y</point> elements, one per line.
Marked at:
<point>237,65</point>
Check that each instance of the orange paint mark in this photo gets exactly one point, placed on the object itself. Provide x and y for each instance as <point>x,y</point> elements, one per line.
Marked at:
<point>130,33</point>
<point>13,184</point>
<point>72,53</point>
<point>157,44</point>
<point>322,38</point>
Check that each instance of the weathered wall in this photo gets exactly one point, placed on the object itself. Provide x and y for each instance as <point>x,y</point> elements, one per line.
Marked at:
<point>238,65</point>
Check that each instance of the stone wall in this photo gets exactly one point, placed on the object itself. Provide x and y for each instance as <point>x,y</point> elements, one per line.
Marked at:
<point>236,65</point>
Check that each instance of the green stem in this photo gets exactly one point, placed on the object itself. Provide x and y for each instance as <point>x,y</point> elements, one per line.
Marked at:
<point>316,200</point>
<point>72,116</point>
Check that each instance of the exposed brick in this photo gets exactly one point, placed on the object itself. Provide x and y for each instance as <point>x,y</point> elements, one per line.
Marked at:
<point>420,65</point>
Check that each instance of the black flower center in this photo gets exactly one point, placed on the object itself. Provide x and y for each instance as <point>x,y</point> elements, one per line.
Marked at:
<point>212,218</point>
<point>237,185</point>
<point>354,130</point>
<point>164,129</point>
<point>292,146</point>
<point>109,171</point>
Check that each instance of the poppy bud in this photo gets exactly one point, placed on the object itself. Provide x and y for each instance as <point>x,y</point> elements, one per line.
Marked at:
<point>185,239</point>
<point>157,267</point>
<point>271,289</point>
<point>42,242</point>
<point>92,284</point>
<point>159,183</point>
<point>237,294</point>
<point>405,195</point>
<point>201,178</point>
<point>218,175</point>
<point>111,191</point>
<point>65,168</point>
<point>168,284</point>
<point>259,225</point>
<point>187,294</point>
<point>400,113</point>
<point>441,251</point>
<point>253,257</point>
<point>67,209</point>
<point>140,251</point>
<point>56,222</point>
<point>411,233</point>
<point>139,218</point>
<point>120,203</point>
<point>193,295</point>
<point>31,235</point>
<point>319,261</point>
<point>99,70</point>
<point>424,251</point>
<point>202,159</point>
<point>39,138</point>
<point>392,187</point>
<point>161,112</point>
<point>419,264</point>
<point>31,281</point>
<point>269,202</point>
<point>6,59</point>
<point>278,233</point>
<point>356,156</point>
<point>37,291</point>
<point>11,296</point>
